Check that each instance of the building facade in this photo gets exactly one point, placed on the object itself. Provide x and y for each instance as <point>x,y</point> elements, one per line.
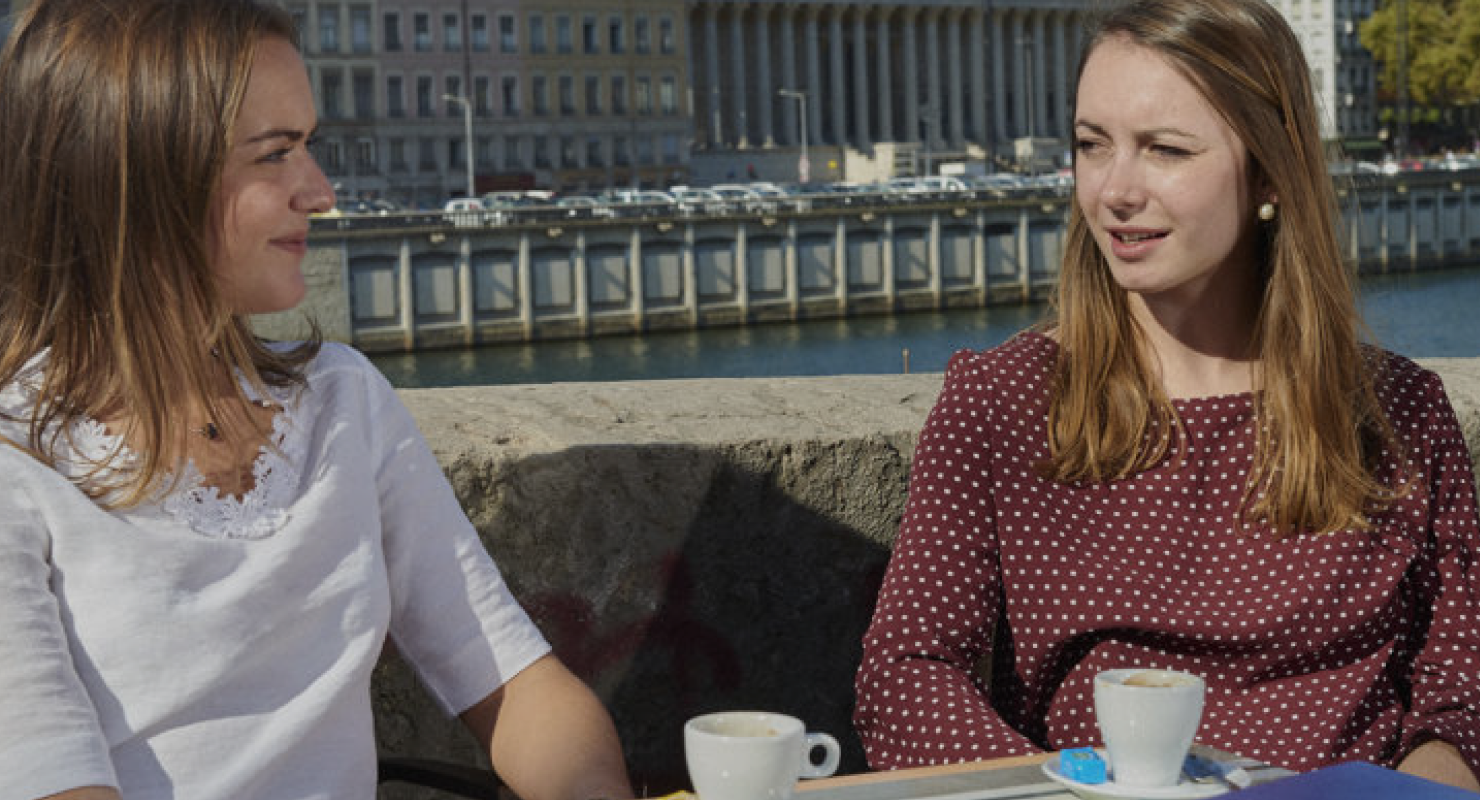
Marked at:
<point>1342,70</point>
<point>967,77</point>
<point>559,95</point>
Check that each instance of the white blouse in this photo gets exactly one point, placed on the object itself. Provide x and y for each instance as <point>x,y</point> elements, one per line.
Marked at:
<point>205,647</point>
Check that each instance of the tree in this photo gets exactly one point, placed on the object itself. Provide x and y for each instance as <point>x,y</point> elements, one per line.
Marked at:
<point>1443,46</point>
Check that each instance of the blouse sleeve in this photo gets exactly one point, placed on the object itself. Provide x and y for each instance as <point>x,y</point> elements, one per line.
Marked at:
<point>1446,679</point>
<point>918,698</point>
<point>452,615</point>
<point>50,737</point>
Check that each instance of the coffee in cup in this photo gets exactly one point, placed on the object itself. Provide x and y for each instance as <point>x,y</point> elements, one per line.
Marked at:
<point>753,755</point>
<point>1148,719</point>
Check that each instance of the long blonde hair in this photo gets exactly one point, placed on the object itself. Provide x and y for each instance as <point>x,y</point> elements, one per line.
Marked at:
<point>115,120</point>
<point>1320,424</point>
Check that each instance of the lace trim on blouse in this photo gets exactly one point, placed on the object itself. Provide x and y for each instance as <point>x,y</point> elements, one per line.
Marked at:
<point>257,514</point>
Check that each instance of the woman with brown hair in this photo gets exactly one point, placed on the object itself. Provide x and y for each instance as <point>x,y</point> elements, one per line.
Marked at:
<point>1195,463</point>
<point>205,538</point>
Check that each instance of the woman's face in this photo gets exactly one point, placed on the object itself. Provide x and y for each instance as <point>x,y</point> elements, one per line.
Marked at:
<point>1161,178</point>
<point>269,186</point>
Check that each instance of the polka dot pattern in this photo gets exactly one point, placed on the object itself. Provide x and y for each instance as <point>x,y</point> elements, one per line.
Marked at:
<point>1316,649</point>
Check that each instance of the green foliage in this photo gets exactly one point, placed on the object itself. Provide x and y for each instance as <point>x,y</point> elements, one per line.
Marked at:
<point>1443,50</point>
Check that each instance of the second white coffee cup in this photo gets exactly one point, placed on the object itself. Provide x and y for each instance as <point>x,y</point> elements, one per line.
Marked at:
<point>753,755</point>
<point>1148,723</point>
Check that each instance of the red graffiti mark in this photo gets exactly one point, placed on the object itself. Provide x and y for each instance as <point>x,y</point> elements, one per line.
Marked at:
<point>697,655</point>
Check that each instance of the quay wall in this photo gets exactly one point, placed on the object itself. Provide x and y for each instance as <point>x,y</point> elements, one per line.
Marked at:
<point>692,545</point>
<point>430,280</point>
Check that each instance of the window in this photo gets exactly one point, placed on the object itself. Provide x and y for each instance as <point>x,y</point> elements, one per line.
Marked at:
<point>300,22</point>
<point>364,89</point>
<point>665,36</point>
<point>541,152</point>
<point>645,151</point>
<point>452,40</point>
<point>568,152</point>
<point>426,153</point>
<point>330,155</point>
<point>359,29</point>
<point>539,95</point>
<point>562,35</point>
<point>620,156</point>
<point>593,152</point>
<point>453,84</point>
<point>619,94</point>
<point>593,95</point>
<point>482,101</point>
<point>480,33</point>
<point>365,156</point>
<point>421,33</point>
<point>509,95</point>
<point>641,36</point>
<point>616,36</point>
<point>395,100</point>
<point>643,97</point>
<point>424,107</point>
<point>567,95</point>
<point>392,23</point>
<point>329,28</point>
<point>589,40</point>
<point>398,155</point>
<point>483,152</point>
<point>670,148</point>
<point>331,82</point>
<point>537,42</point>
<point>668,95</point>
<point>457,153</point>
<point>508,38</point>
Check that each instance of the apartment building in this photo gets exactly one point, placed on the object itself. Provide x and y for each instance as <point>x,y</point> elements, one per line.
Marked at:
<point>559,95</point>
<point>1343,72</point>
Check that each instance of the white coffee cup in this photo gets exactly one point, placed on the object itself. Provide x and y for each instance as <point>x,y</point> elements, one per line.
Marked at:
<point>753,755</point>
<point>1148,718</point>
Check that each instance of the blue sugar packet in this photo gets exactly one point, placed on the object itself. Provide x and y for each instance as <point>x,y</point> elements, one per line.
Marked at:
<point>1082,764</point>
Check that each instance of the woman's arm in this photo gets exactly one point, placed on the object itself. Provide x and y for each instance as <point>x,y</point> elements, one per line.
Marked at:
<point>87,793</point>
<point>918,699</point>
<point>550,738</point>
<point>1440,761</point>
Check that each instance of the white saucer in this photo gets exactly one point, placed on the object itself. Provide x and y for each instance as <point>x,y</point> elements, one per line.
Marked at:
<point>1109,790</point>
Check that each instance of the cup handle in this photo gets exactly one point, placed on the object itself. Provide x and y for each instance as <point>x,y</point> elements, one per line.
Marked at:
<point>829,763</point>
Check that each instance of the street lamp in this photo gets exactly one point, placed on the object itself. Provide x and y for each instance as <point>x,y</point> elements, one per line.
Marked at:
<point>803,167</point>
<point>467,109</point>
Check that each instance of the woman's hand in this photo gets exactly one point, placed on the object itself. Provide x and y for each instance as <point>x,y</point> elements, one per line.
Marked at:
<point>1440,761</point>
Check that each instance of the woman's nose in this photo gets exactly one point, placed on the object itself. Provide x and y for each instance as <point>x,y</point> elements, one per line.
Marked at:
<point>1122,186</point>
<point>317,194</point>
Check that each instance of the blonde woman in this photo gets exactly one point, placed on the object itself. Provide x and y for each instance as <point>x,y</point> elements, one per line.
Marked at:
<point>206,539</point>
<point>1196,464</point>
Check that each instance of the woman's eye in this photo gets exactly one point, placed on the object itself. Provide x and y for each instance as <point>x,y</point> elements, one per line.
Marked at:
<point>1170,151</point>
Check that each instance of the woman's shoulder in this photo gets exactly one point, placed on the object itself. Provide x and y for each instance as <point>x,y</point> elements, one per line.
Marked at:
<point>1398,378</point>
<point>1028,356</point>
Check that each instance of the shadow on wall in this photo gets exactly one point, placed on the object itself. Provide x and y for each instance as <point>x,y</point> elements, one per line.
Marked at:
<point>678,580</point>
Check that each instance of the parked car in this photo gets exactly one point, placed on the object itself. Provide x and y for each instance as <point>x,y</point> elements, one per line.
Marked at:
<point>465,212</point>
<point>698,201</point>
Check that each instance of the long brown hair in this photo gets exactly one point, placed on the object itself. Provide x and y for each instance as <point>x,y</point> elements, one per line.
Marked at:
<point>1319,419</point>
<point>115,121</point>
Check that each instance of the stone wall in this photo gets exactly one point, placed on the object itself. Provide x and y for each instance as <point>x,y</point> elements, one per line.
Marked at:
<point>690,546</point>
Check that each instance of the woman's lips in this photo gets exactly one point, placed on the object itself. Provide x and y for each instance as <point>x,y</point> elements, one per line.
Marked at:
<point>1131,244</point>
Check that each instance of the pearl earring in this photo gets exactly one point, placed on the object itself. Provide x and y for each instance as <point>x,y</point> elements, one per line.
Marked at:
<point>1267,212</point>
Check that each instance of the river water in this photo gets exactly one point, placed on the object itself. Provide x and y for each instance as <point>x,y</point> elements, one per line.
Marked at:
<point>1423,315</point>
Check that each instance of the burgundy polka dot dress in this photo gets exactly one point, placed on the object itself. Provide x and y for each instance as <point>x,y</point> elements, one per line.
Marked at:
<point>1315,649</point>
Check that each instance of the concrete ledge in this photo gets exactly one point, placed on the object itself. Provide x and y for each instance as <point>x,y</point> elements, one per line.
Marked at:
<point>692,545</point>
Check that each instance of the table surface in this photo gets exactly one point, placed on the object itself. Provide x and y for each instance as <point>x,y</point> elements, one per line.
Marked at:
<point>1018,778</point>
